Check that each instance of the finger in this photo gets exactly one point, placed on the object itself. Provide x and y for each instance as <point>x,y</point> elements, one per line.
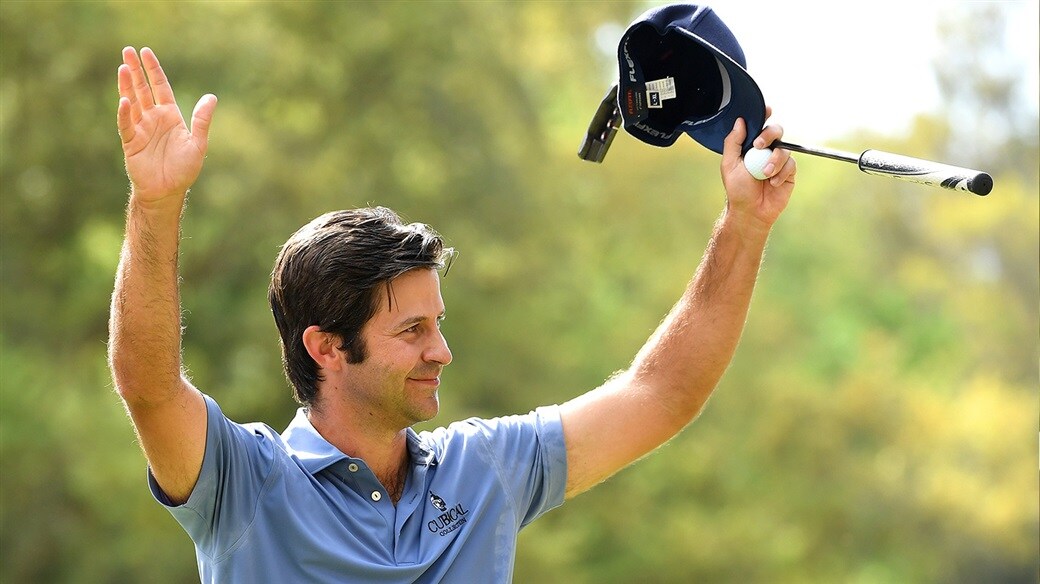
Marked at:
<point>140,82</point>
<point>733,145</point>
<point>776,162</point>
<point>769,112</point>
<point>201,118</point>
<point>124,121</point>
<point>786,174</point>
<point>160,84</point>
<point>769,135</point>
<point>126,91</point>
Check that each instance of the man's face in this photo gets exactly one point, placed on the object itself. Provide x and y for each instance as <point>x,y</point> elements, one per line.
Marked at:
<point>397,382</point>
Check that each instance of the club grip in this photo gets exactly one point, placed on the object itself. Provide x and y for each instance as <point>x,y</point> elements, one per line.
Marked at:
<point>925,172</point>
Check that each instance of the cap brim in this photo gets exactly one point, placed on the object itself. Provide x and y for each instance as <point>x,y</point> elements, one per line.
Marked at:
<point>745,101</point>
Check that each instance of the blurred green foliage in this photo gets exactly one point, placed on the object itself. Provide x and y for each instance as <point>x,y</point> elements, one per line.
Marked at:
<point>878,423</point>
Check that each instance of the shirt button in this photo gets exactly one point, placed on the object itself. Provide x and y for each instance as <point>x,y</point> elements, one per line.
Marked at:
<point>376,496</point>
<point>352,467</point>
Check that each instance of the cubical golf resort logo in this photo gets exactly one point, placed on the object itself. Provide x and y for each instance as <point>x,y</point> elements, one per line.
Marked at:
<point>450,519</point>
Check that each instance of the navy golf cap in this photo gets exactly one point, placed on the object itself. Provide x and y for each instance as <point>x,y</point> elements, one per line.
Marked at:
<point>682,70</point>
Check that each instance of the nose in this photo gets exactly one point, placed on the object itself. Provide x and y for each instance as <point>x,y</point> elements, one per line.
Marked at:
<point>438,351</point>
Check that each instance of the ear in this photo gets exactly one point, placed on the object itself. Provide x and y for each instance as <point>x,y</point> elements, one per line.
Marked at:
<point>323,347</point>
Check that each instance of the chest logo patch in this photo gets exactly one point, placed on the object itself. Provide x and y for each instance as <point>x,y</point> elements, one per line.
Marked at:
<point>450,518</point>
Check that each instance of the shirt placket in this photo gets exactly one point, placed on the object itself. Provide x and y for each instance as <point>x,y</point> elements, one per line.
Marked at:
<point>407,534</point>
<point>368,487</point>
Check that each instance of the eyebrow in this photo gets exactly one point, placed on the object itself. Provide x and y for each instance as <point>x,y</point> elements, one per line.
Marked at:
<point>416,320</point>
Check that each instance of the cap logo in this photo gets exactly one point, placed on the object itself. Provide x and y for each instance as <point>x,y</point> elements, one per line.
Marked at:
<point>631,63</point>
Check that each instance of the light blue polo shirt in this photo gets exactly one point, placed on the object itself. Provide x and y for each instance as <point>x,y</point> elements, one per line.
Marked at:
<point>292,508</point>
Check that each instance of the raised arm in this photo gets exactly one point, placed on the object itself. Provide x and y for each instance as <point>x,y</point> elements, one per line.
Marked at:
<point>163,159</point>
<point>675,372</point>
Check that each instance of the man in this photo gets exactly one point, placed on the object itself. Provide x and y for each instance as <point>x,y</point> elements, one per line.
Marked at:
<point>349,492</point>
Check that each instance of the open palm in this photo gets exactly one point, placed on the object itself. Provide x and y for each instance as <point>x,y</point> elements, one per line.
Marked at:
<point>163,156</point>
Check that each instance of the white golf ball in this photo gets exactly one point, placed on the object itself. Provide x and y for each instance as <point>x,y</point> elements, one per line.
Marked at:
<point>755,160</point>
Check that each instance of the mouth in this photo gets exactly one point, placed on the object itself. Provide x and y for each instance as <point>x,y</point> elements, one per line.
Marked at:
<point>427,381</point>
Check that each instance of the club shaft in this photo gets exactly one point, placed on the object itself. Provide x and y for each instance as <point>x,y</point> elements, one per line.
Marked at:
<point>816,151</point>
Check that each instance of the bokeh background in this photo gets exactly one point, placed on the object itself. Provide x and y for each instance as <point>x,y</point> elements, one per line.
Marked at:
<point>878,424</point>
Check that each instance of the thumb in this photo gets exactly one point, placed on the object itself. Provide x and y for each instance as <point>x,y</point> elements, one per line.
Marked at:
<point>201,118</point>
<point>734,143</point>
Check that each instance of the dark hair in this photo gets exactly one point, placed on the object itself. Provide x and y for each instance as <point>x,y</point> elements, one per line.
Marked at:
<point>328,274</point>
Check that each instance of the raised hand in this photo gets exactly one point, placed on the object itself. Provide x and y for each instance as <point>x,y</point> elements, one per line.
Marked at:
<point>758,201</point>
<point>163,156</point>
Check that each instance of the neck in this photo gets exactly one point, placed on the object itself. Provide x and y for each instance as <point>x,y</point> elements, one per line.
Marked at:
<point>384,450</point>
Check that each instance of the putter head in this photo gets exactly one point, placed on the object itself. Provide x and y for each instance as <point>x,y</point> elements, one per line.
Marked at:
<point>602,129</point>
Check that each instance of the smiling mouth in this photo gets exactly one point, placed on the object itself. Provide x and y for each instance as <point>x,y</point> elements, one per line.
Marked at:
<point>434,381</point>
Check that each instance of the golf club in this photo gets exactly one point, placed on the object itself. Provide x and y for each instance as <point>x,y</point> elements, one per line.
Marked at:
<point>608,119</point>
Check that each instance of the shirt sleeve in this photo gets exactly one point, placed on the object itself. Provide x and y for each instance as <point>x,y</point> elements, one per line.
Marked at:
<point>530,457</point>
<point>237,464</point>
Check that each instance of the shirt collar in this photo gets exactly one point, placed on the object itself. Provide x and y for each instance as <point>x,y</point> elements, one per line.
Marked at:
<point>315,453</point>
